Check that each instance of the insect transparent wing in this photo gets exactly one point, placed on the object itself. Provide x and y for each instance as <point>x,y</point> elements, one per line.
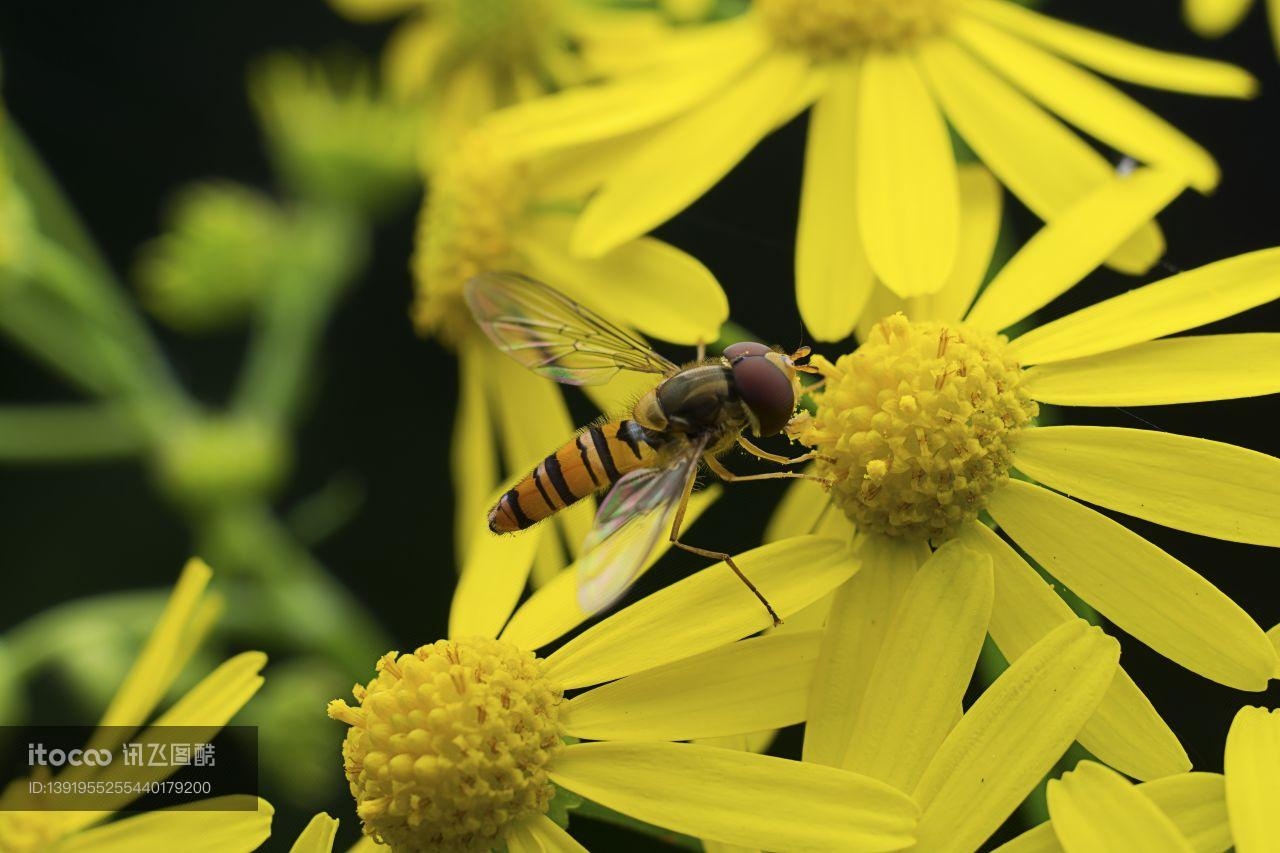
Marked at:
<point>632,518</point>
<point>554,336</point>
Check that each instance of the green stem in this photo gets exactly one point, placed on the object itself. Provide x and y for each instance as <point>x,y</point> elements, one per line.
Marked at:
<point>595,811</point>
<point>67,433</point>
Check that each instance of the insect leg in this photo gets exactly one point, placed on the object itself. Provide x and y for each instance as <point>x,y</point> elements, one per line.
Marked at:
<point>714,555</point>
<point>702,349</point>
<point>774,457</point>
<point>729,477</point>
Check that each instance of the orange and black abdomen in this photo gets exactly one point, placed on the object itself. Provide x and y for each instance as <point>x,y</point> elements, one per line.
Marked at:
<point>598,457</point>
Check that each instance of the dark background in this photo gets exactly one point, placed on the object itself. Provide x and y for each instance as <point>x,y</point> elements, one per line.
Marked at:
<point>128,101</point>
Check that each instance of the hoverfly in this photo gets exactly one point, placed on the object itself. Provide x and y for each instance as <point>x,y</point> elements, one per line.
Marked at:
<point>650,459</point>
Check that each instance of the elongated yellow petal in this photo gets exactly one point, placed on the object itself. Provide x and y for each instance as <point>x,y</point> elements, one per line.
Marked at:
<point>1039,159</point>
<point>1140,588</point>
<point>554,611</point>
<point>1273,18</point>
<point>806,508</point>
<point>1252,767</point>
<point>215,825</point>
<point>647,284</point>
<point>855,632</point>
<point>1125,731</point>
<point>532,417</point>
<point>1095,810</point>
<point>539,834</point>
<point>704,611</point>
<point>1187,483</point>
<point>924,668</point>
<point>1188,369</point>
<point>1064,251</point>
<point>981,205</point>
<point>739,797</point>
<point>1092,105</point>
<point>493,577</point>
<point>1195,802</point>
<point>707,142</point>
<point>1119,58</point>
<point>907,193</point>
<point>219,695</point>
<point>744,687</point>
<point>1214,18</point>
<point>317,836</point>
<point>473,462</point>
<point>1274,636</point>
<point>833,277</point>
<point>1012,735</point>
<point>410,57</point>
<point>1180,302</point>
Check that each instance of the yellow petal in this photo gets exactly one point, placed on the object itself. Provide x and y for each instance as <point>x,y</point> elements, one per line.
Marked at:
<point>646,190</point>
<point>647,284</point>
<point>474,461</point>
<point>468,93</point>
<point>1126,731</point>
<point>374,10</point>
<point>216,825</point>
<point>219,695</point>
<point>1040,160</point>
<point>1095,810</point>
<point>1252,767</point>
<point>744,687</point>
<point>411,55</point>
<point>1188,369</point>
<point>981,203</point>
<point>1063,252</point>
<point>539,834</point>
<point>924,667</point>
<point>317,836</point>
<point>806,508</point>
<point>833,278</point>
<point>907,193</point>
<point>1155,598</point>
<point>703,611</point>
<point>554,611</point>
<point>1214,18</point>
<point>1274,636</point>
<point>1012,735</point>
<point>533,419</point>
<point>1187,483</point>
<point>1119,58</point>
<point>1273,17</point>
<point>1092,105</point>
<point>856,627</point>
<point>739,797</point>
<point>1180,302</point>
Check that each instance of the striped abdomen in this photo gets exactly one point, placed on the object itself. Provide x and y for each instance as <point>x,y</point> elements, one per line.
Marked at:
<point>599,456</point>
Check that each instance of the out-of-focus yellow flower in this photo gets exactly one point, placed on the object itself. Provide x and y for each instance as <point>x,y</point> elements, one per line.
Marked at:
<point>923,426</point>
<point>212,825</point>
<point>334,137</point>
<point>484,213</point>
<point>881,195</point>
<point>1216,18</point>
<point>461,59</point>
<point>318,835</point>
<point>460,745</point>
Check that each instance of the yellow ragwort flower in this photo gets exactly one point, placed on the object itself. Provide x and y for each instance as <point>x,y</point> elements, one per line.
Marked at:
<point>923,427</point>
<point>1215,18</point>
<point>881,196</point>
<point>220,823</point>
<point>1093,808</point>
<point>462,59</point>
<point>460,745</point>
<point>482,213</point>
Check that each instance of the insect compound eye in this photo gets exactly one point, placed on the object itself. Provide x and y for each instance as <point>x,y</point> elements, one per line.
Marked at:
<point>766,390</point>
<point>733,352</point>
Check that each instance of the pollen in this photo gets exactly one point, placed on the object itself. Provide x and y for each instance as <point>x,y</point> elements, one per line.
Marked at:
<point>831,29</point>
<point>918,426</point>
<point>449,745</point>
<point>466,228</point>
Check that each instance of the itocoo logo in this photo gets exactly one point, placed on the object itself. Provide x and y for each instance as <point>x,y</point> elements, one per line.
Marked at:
<point>37,754</point>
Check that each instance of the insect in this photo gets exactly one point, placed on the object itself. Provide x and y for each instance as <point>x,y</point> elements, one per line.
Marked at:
<point>651,458</point>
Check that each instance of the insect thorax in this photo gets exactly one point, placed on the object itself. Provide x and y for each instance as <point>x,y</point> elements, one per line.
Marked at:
<point>696,401</point>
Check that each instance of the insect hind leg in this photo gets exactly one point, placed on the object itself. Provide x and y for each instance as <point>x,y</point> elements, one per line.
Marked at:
<point>761,453</point>
<point>730,477</point>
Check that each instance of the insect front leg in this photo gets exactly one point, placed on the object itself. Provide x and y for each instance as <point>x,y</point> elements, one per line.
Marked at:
<point>714,555</point>
<point>774,457</point>
<point>729,477</point>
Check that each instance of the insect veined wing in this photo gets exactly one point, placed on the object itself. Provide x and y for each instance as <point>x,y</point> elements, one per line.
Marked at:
<point>635,514</point>
<point>554,336</point>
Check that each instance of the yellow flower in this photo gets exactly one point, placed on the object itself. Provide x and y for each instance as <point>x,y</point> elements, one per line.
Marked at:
<point>923,426</point>
<point>483,213</point>
<point>464,58</point>
<point>880,199</point>
<point>460,745</point>
<point>317,837</point>
<point>1215,18</point>
<point>1093,808</point>
<point>220,824</point>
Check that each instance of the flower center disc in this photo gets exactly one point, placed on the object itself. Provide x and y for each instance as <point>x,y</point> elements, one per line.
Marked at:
<point>449,746</point>
<point>829,29</point>
<point>917,427</point>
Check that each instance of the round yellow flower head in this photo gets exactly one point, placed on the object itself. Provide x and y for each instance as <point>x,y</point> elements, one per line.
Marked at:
<point>917,427</point>
<point>465,228</point>
<point>828,29</point>
<point>448,746</point>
